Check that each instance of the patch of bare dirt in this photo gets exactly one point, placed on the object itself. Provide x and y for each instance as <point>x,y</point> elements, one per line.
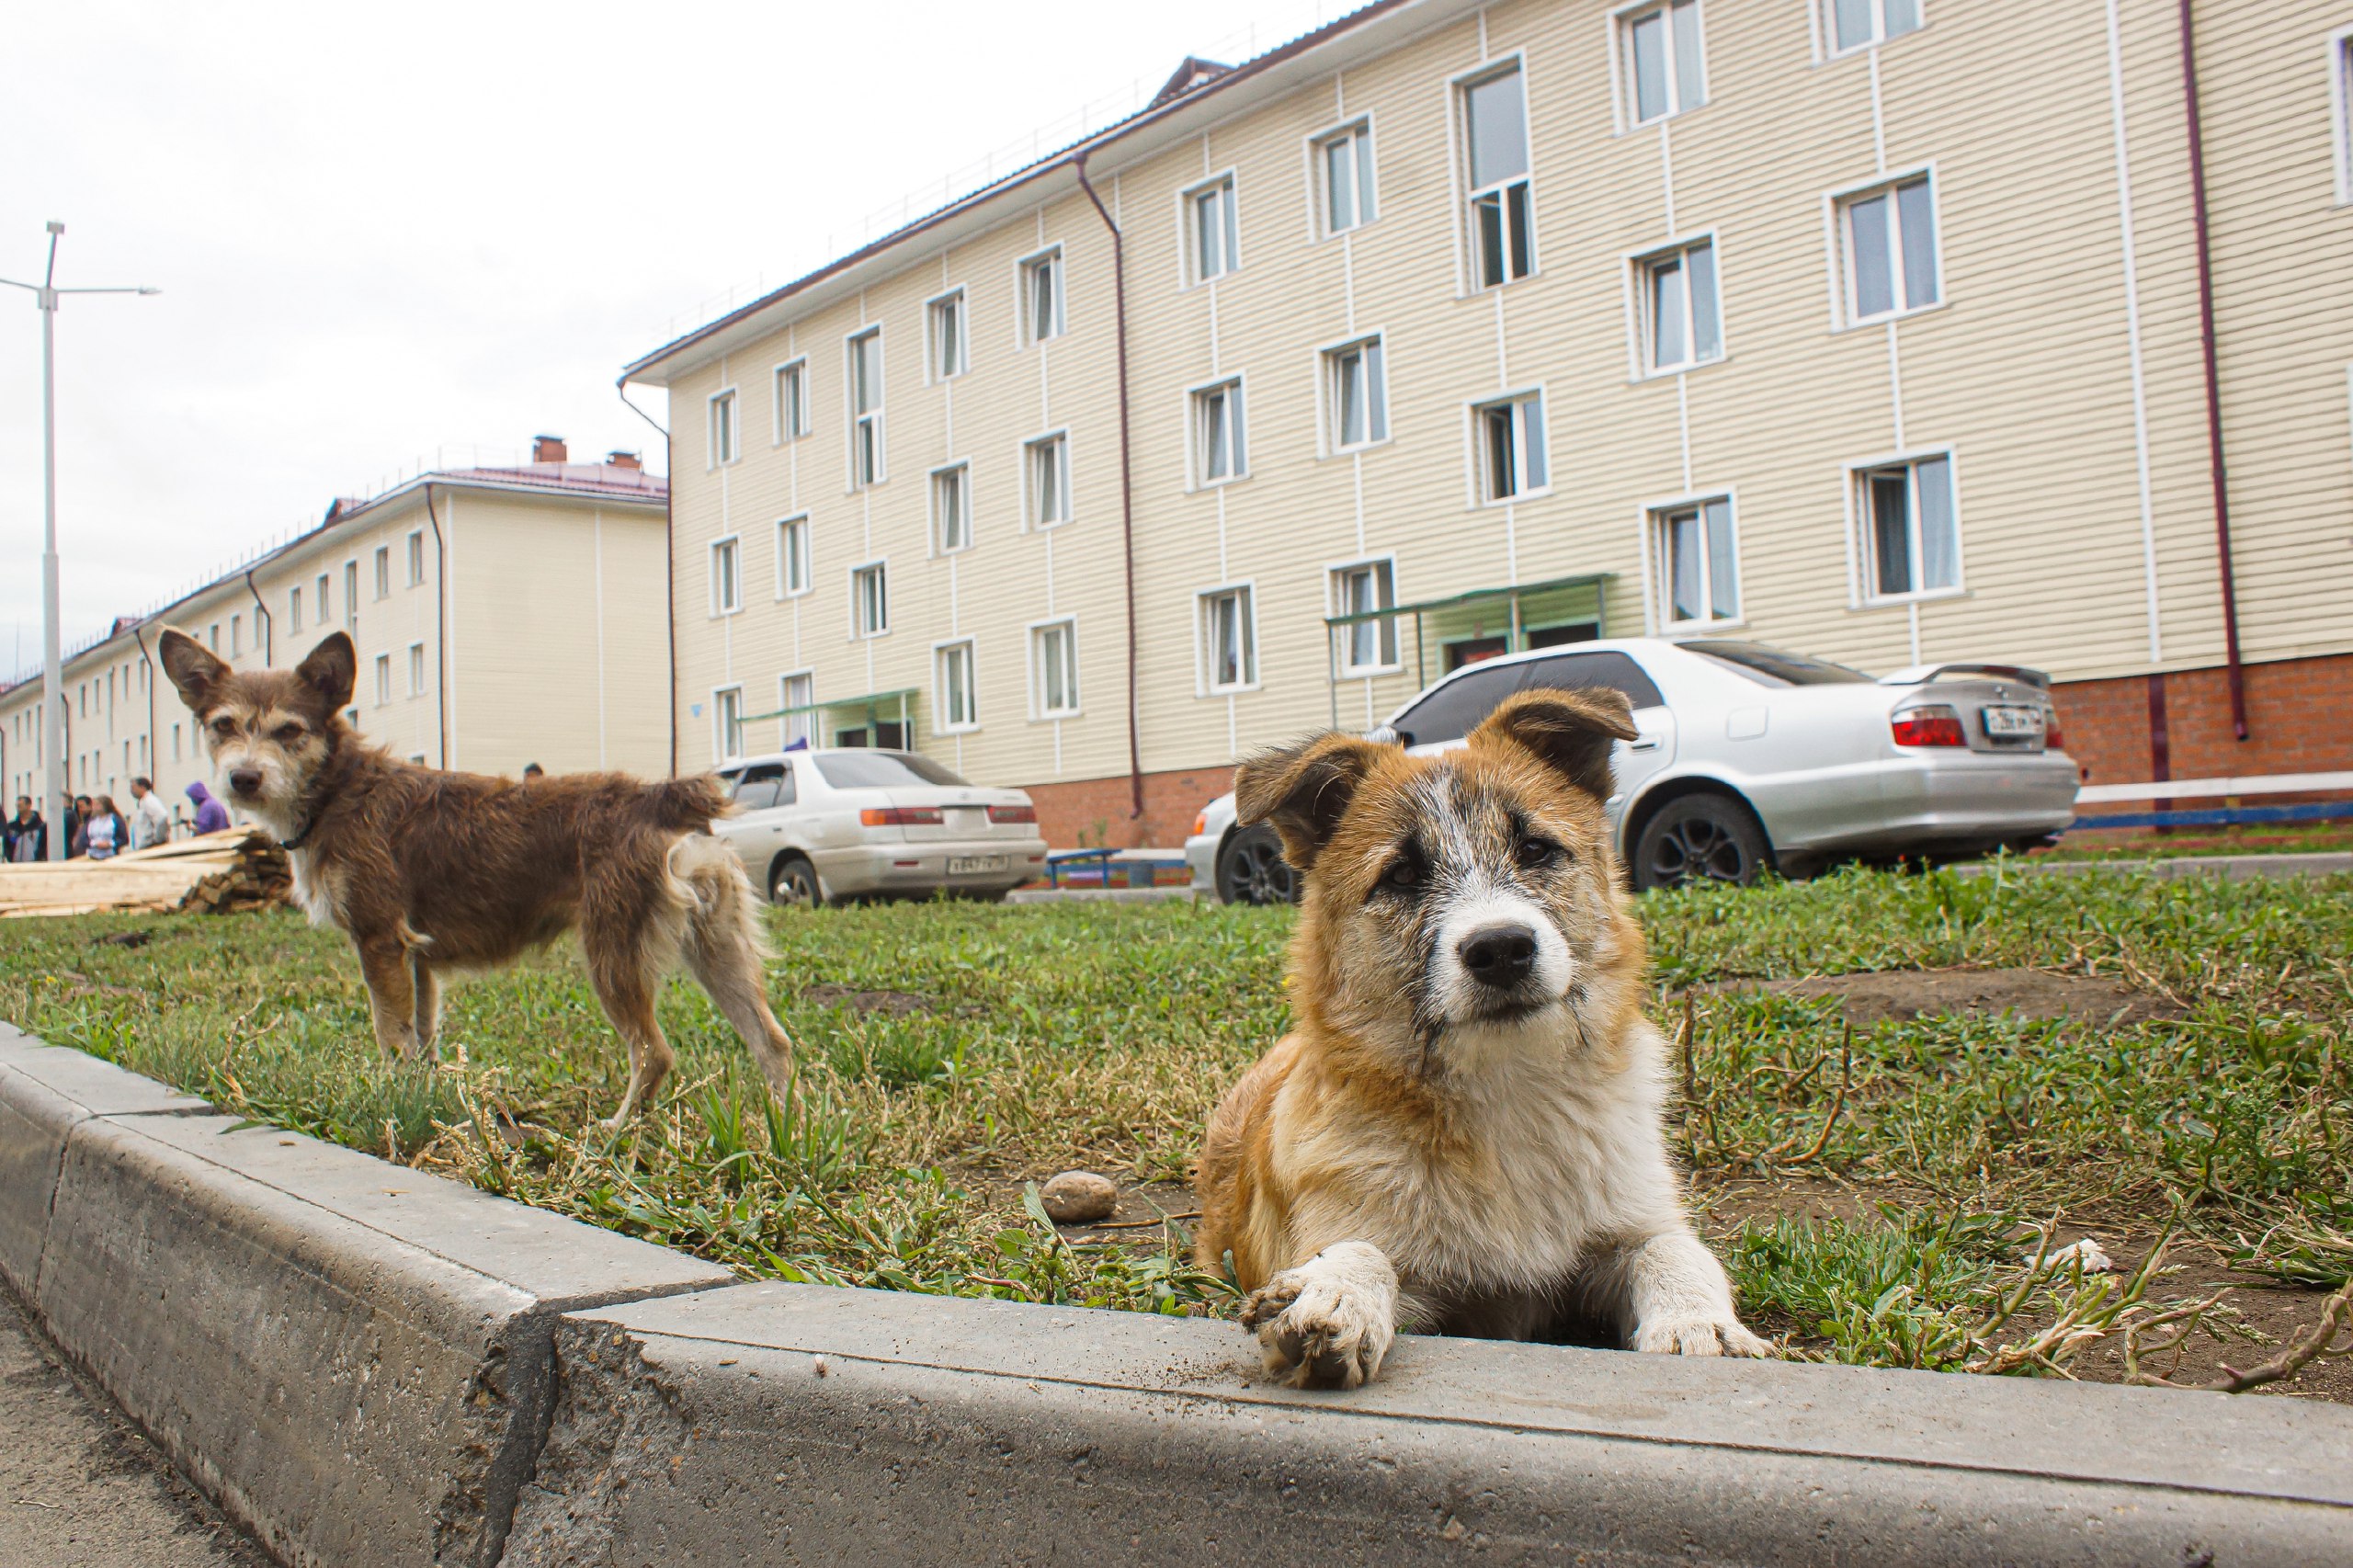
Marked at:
<point>895,1003</point>
<point>1904,994</point>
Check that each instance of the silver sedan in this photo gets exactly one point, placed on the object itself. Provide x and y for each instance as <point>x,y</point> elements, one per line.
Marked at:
<point>1751,757</point>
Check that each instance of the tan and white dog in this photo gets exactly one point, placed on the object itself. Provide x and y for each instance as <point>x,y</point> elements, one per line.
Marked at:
<point>1463,1133</point>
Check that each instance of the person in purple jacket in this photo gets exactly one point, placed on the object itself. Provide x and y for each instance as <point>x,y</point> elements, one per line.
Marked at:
<point>211,816</point>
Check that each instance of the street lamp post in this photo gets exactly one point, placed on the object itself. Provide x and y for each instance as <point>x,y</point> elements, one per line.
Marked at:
<point>45,294</point>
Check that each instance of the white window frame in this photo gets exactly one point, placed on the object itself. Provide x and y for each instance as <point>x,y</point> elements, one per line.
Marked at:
<point>1386,638</point>
<point>1330,402</point>
<point>1204,638</point>
<point>383,562</point>
<point>1659,561</point>
<point>323,611</point>
<point>236,644</point>
<point>294,609</point>
<point>416,669</point>
<point>1622,63</point>
<point>722,428</point>
<point>1863,593</point>
<point>1483,491</point>
<point>1826,18</point>
<point>727,713</point>
<point>789,401</point>
<point>1357,130</point>
<point>861,478</point>
<point>858,630</point>
<point>943,714</point>
<point>351,592</point>
<point>1035,633</point>
<point>1194,272</point>
<point>2340,111</point>
<point>383,680</point>
<point>786,527</point>
<point>786,721</point>
<point>1198,400</point>
<point>1025,301</point>
<point>1838,222</point>
<point>726,586</point>
<point>416,558</point>
<point>935,311</point>
<point>1641,324</point>
<point>1459,121</point>
<point>1030,457</point>
<point>961,472</point>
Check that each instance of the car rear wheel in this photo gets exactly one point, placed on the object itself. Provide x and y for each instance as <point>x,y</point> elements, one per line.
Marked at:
<point>1251,869</point>
<point>1699,838</point>
<point>794,883</point>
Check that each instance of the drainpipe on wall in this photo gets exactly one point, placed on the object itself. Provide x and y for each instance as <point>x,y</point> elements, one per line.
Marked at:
<point>440,626</point>
<point>2214,374</point>
<point>669,566</point>
<point>155,740</point>
<point>264,622</point>
<point>1127,486</point>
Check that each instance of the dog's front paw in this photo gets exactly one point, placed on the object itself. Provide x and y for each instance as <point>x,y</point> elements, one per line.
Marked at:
<point>1315,1333</point>
<point>1700,1336</point>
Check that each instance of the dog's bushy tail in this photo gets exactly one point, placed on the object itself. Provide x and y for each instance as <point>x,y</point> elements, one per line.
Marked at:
<point>689,805</point>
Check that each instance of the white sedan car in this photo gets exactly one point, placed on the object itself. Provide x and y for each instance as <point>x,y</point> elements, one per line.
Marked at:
<point>1749,757</point>
<point>843,823</point>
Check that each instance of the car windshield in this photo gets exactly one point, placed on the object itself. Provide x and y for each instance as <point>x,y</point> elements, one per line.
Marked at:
<point>1454,710</point>
<point>880,770</point>
<point>1778,668</point>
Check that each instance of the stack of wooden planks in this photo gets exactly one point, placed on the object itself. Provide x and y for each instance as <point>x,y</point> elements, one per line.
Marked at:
<point>219,873</point>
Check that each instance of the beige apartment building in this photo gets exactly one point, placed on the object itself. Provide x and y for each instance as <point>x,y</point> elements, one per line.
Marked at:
<point>502,616</point>
<point>1871,328</point>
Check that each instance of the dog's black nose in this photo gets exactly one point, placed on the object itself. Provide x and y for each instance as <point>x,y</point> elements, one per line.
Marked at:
<point>245,781</point>
<point>1498,955</point>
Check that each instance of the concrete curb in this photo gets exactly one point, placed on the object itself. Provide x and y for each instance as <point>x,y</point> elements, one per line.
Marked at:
<point>2231,867</point>
<point>366,1365</point>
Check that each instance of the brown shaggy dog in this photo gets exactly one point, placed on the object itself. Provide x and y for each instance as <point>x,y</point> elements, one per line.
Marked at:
<point>430,871</point>
<point>1461,1134</point>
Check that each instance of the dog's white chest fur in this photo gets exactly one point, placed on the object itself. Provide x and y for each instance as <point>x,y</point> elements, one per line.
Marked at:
<point>313,891</point>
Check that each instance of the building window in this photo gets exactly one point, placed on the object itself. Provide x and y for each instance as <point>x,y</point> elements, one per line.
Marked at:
<point>176,742</point>
<point>948,348</point>
<point>2340,95</point>
<point>1212,215</point>
<point>1344,165</point>
<point>416,669</point>
<point>1855,23</point>
<point>1356,389</point>
<point>212,636</point>
<point>1229,639</point>
<point>796,699</point>
<point>953,696</point>
<point>866,408</point>
<point>1511,448</point>
<point>1045,470</point>
<point>416,558</point>
<point>1219,451</point>
<point>793,401</point>
<point>722,427</point>
<point>1053,658</point>
<point>1665,73</point>
<point>1890,241</point>
<point>1699,569</point>
<point>352,593</point>
<point>727,723</point>
<point>326,611</point>
<point>793,557</point>
<point>1681,325</point>
<point>1366,647</point>
<point>1042,296</point>
<point>1495,115</point>
<point>870,594</point>
<point>726,576</point>
<point>294,609</point>
<point>1911,539</point>
<point>951,508</point>
<point>384,679</point>
<point>383,571</point>
<point>236,635</point>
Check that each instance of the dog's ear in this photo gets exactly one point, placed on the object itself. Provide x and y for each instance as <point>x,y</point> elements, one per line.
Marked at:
<point>1570,732</point>
<point>1304,789</point>
<point>331,669</point>
<point>191,666</point>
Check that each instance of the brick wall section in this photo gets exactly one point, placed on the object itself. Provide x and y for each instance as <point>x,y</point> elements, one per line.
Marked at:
<point>2300,720</point>
<point>1097,809</point>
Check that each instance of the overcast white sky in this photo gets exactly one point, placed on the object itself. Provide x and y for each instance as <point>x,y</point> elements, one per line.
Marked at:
<point>391,232</point>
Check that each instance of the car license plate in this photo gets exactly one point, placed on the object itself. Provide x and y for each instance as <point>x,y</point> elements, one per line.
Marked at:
<point>964,865</point>
<point>2012,722</point>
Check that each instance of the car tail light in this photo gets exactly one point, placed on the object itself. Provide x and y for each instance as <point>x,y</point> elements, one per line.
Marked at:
<point>1200,825</point>
<point>901,816</point>
<point>2051,738</point>
<point>1013,813</point>
<point>1934,725</point>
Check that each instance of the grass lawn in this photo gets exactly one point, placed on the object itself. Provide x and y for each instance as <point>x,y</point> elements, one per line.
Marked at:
<point>1875,1156</point>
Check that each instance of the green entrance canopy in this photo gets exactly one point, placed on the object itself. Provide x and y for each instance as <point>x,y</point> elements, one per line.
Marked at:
<point>1561,593</point>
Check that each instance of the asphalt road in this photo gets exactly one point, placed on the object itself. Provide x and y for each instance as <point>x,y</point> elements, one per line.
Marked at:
<point>79,1486</point>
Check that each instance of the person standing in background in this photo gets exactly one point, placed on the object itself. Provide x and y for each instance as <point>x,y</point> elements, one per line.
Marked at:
<point>211,816</point>
<point>150,823</point>
<point>27,836</point>
<point>104,834</point>
<point>77,826</point>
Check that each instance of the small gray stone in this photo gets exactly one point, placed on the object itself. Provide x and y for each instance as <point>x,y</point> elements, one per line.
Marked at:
<point>1080,1198</point>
